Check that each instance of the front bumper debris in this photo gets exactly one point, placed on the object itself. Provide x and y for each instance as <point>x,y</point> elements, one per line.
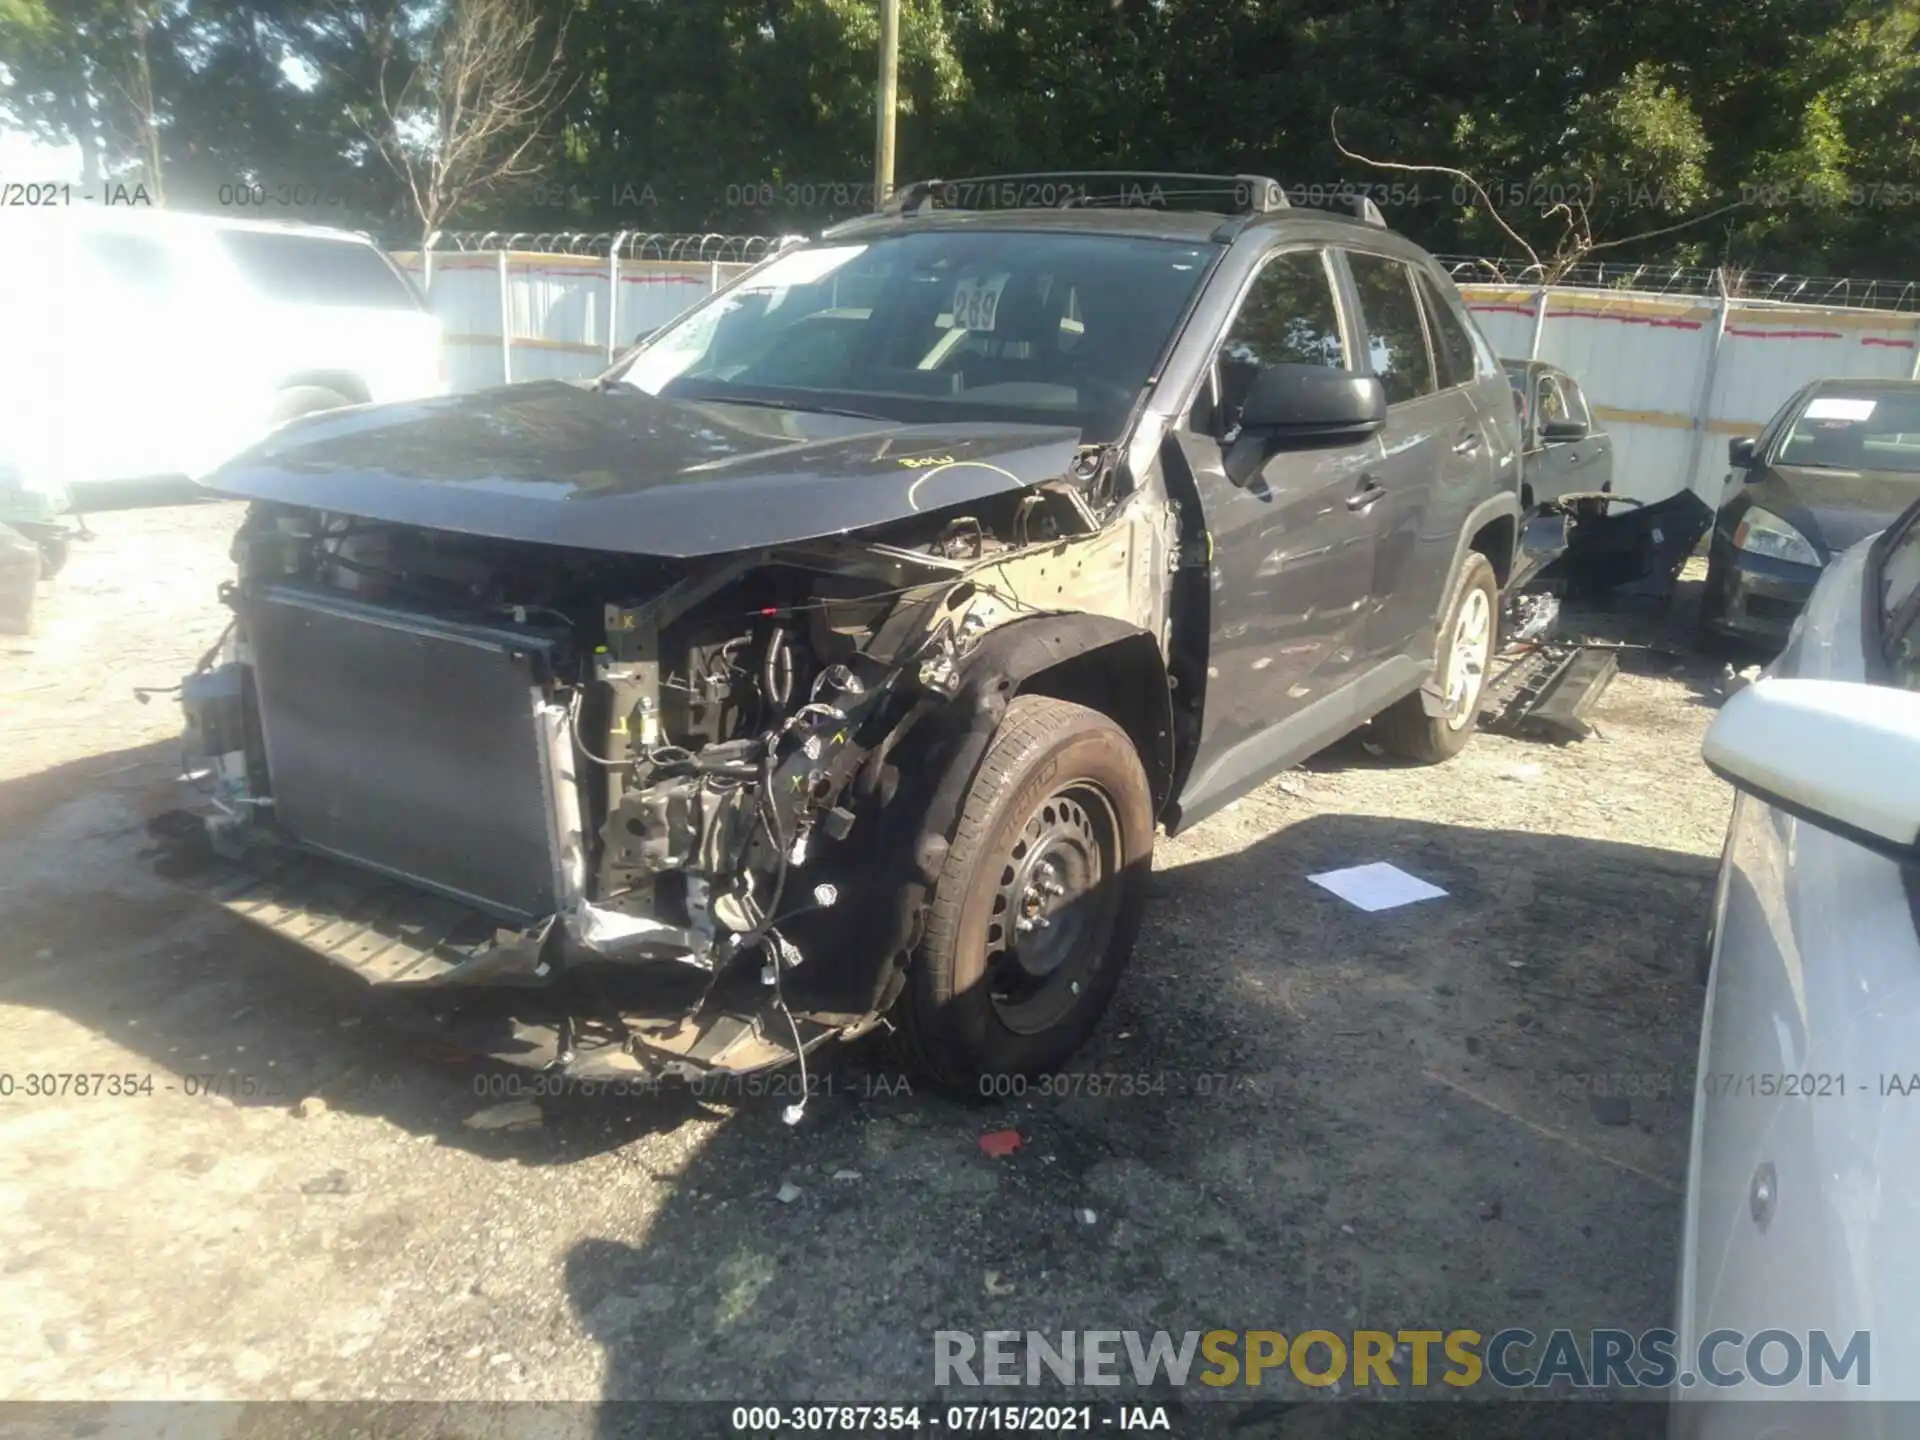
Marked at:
<point>507,995</point>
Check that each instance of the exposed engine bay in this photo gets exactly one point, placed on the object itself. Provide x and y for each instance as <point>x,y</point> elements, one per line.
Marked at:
<point>648,796</point>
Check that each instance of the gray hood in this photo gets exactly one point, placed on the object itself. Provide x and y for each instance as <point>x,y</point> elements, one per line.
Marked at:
<point>1835,509</point>
<point>617,469</point>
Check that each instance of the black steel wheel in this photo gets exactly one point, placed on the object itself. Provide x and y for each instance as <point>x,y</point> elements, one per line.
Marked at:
<point>1038,903</point>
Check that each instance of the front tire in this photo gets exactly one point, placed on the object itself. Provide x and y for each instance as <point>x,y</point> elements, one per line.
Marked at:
<point>1468,637</point>
<point>1038,903</point>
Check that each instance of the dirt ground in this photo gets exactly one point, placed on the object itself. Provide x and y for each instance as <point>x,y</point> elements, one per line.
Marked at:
<point>1341,1119</point>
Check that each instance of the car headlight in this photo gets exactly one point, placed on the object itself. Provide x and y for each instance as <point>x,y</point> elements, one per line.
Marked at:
<point>1761,532</point>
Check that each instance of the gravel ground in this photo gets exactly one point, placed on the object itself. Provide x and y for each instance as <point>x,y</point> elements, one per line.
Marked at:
<point>1337,1119</point>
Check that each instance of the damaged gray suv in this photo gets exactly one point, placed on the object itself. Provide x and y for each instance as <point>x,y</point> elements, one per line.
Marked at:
<point>832,661</point>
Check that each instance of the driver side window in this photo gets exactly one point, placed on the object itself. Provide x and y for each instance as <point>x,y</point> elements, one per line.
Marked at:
<point>1288,318</point>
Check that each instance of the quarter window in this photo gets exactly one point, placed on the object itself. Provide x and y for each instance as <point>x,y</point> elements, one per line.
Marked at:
<point>1396,339</point>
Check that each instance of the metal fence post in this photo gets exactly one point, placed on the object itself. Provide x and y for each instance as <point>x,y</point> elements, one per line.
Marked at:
<point>506,324</point>
<point>1914,374</point>
<point>613,293</point>
<point>1539,321</point>
<point>1703,404</point>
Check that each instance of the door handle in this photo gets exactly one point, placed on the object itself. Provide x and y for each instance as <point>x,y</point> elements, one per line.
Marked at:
<point>1369,491</point>
<point>1468,442</point>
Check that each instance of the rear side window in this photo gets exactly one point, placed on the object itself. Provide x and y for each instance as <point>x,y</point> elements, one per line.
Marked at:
<point>1452,345</point>
<point>312,270</point>
<point>1396,340</point>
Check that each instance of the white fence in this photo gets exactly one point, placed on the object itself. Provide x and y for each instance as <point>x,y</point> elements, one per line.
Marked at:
<point>568,315</point>
<point>1670,376</point>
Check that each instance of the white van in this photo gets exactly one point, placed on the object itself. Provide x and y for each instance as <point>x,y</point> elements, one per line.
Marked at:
<point>143,347</point>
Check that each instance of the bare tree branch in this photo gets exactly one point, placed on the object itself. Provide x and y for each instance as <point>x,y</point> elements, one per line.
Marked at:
<point>470,111</point>
<point>1478,188</point>
<point>1667,229</point>
<point>1575,243</point>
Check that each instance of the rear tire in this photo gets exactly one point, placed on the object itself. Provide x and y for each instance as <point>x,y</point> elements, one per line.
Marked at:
<point>1057,831</point>
<point>1470,635</point>
<point>298,400</point>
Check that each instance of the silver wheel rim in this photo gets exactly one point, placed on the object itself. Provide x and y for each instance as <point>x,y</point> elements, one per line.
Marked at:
<point>1467,657</point>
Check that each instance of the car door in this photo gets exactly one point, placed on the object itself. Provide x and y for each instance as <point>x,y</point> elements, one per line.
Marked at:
<point>1424,422</point>
<point>1566,463</point>
<point>127,285</point>
<point>1803,1191</point>
<point>1290,532</point>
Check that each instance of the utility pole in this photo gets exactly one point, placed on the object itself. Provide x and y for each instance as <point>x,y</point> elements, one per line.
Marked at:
<point>883,120</point>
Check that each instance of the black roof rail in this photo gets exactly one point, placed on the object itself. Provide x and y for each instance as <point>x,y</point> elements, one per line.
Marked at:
<point>1365,209</point>
<point>1055,189</point>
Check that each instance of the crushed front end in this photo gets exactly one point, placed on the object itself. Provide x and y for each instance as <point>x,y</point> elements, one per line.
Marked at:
<point>613,813</point>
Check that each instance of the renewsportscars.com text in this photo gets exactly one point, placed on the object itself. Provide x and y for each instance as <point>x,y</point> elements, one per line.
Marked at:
<point>1512,1359</point>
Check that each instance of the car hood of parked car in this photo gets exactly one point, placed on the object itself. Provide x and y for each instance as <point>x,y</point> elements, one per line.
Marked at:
<point>1834,508</point>
<point>617,469</point>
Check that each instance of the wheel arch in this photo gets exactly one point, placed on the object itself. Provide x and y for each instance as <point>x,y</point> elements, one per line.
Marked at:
<point>1093,660</point>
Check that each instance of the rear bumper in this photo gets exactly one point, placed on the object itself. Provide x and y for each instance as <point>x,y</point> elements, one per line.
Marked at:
<point>1762,596</point>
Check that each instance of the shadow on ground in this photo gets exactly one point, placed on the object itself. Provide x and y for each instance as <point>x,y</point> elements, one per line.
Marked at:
<point>95,931</point>
<point>1298,1115</point>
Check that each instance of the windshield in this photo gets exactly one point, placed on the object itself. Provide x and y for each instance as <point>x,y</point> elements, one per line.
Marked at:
<point>1005,325</point>
<point>317,270</point>
<point>1874,430</point>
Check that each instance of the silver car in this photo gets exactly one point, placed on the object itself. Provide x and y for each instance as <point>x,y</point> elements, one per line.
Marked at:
<point>1800,1262</point>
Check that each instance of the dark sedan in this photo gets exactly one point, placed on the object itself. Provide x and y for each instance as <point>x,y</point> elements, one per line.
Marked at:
<point>1836,463</point>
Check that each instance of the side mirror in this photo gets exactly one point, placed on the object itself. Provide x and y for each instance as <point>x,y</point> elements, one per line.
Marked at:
<point>1311,404</point>
<point>1740,452</point>
<point>1836,754</point>
<point>1559,432</point>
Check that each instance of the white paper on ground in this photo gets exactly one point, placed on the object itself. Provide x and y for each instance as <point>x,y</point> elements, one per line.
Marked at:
<point>1378,886</point>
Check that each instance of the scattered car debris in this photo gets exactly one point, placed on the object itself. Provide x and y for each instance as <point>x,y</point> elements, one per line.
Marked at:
<point>1616,543</point>
<point>1088,1217</point>
<point>513,1115</point>
<point>847,1177</point>
<point>1378,886</point>
<point>1549,690</point>
<point>311,1107</point>
<point>996,1286</point>
<point>788,1192</point>
<point>1000,1143</point>
<point>1611,1109</point>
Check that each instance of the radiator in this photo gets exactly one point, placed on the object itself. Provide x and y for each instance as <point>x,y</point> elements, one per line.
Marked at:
<point>416,747</point>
